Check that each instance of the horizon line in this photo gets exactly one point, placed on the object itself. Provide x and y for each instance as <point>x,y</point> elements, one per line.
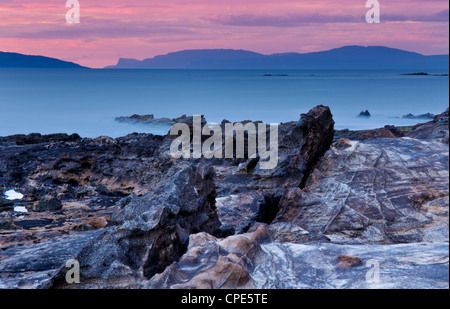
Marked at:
<point>229,49</point>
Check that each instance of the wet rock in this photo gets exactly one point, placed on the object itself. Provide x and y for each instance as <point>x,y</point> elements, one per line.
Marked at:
<point>252,260</point>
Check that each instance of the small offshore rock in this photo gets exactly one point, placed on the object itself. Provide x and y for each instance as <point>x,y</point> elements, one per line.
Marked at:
<point>365,114</point>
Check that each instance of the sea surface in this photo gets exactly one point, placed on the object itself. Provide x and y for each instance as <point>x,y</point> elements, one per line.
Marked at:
<point>86,101</point>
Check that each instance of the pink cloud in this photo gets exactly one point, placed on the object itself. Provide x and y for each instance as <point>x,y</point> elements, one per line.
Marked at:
<point>110,29</point>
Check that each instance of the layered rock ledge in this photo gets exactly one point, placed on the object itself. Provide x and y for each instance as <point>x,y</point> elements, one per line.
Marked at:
<point>337,205</point>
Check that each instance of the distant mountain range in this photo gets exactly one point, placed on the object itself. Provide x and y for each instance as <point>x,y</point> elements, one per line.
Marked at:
<point>14,60</point>
<point>348,57</point>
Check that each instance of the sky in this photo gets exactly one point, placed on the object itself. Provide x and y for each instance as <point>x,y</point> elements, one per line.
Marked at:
<point>113,29</point>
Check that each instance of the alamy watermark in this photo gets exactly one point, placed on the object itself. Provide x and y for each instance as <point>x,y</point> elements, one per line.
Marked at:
<point>73,14</point>
<point>373,275</point>
<point>233,133</point>
<point>373,15</point>
<point>73,274</point>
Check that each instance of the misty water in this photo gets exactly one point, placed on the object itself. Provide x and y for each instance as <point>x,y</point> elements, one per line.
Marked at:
<point>87,101</point>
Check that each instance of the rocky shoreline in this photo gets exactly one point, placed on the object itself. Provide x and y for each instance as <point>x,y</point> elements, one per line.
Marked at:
<point>136,218</point>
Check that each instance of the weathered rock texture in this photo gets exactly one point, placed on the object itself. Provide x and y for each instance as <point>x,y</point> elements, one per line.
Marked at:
<point>378,191</point>
<point>136,218</point>
<point>34,266</point>
<point>436,129</point>
<point>152,231</point>
<point>301,145</point>
<point>252,260</point>
<point>248,193</point>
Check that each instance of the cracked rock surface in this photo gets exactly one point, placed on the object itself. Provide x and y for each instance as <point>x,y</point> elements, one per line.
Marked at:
<point>366,212</point>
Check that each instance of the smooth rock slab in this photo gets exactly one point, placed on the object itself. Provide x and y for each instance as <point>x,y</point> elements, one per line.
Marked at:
<point>378,192</point>
<point>252,260</point>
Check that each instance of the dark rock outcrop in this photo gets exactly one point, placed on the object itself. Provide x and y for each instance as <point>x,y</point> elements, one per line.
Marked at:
<point>417,74</point>
<point>152,231</point>
<point>144,119</point>
<point>134,217</point>
<point>365,113</point>
<point>422,116</point>
<point>36,138</point>
<point>150,119</point>
<point>301,146</point>
<point>249,194</point>
<point>437,129</point>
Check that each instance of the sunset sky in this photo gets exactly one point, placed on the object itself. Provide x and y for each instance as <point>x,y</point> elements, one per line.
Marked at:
<point>111,29</point>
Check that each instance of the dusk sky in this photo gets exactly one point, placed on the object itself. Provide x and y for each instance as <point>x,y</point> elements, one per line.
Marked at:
<point>111,29</point>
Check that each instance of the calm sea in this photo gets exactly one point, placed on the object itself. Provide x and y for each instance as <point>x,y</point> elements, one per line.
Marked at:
<point>87,101</point>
